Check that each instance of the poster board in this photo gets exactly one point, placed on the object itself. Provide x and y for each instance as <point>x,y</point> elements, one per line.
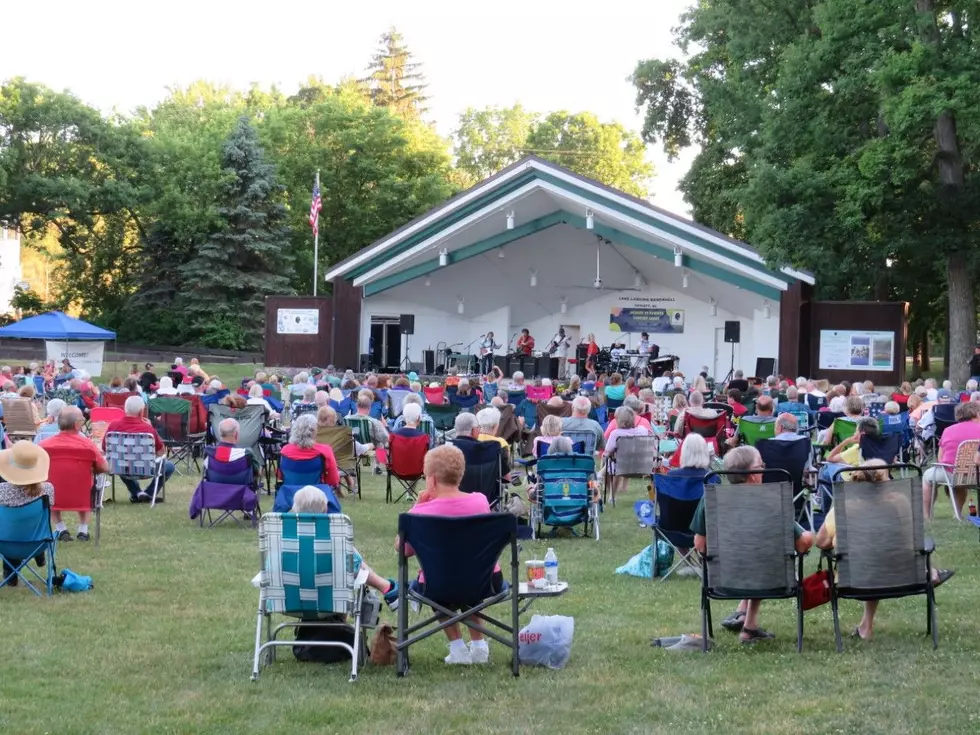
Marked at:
<point>297,321</point>
<point>85,356</point>
<point>652,320</point>
<point>856,350</point>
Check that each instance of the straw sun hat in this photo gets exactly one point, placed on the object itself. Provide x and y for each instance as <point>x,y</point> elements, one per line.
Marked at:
<point>24,464</point>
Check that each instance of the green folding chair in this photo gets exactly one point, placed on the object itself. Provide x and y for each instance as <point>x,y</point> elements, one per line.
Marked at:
<point>443,417</point>
<point>753,431</point>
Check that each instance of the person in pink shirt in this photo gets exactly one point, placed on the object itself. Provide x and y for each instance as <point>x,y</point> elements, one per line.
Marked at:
<point>635,405</point>
<point>444,467</point>
<point>966,428</point>
<point>628,424</point>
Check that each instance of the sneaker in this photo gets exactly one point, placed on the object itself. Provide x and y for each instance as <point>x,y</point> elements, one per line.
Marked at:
<point>377,471</point>
<point>142,497</point>
<point>686,571</point>
<point>82,536</point>
<point>460,655</point>
<point>479,652</point>
<point>65,536</point>
<point>391,596</point>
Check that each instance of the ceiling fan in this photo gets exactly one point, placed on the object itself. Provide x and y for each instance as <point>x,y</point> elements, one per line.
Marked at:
<point>597,284</point>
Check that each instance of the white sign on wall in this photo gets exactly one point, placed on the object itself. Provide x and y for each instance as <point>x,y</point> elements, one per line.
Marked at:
<point>85,356</point>
<point>298,321</point>
<point>860,351</point>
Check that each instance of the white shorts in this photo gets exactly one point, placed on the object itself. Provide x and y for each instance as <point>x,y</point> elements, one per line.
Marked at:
<point>937,474</point>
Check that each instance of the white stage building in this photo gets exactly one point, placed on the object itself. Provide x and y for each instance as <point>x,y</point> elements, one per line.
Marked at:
<point>539,247</point>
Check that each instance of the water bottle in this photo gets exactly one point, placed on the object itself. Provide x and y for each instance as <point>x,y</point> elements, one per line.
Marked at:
<point>551,567</point>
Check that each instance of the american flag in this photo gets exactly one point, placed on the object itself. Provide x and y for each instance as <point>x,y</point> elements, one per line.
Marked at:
<point>315,206</point>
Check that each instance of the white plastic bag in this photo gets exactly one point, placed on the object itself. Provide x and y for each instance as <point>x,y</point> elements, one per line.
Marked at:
<point>547,641</point>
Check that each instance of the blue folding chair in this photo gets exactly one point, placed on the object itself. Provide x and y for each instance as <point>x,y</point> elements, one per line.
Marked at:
<point>230,487</point>
<point>458,555</point>
<point>301,471</point>
<point>678,495</point>
<point>26,542</point>
<point>564,498</point>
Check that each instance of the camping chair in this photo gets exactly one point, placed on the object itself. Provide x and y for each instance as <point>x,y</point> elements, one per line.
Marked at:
<point>18,418</point>
<point>713,430</point>
<point>751,553</point>
<point>171,416</point>
<point>341,440</point>
<point>790,457</point>
<point>251,425</point>
<point>887,448</point>
<point>406,457</point>
<point>881,551</point>
<point>962,473</point>
<point>677,500</point>
<point>27,542</point>
<point>874,409</point>
<point>543,410</point>
<point>458,556</point>
<point>539,394</point>
<point>360,427</point>
<point>435,396</point>
<point>306,564</point>
<point>396,402</point>
<point>470,403</point>
<point>944,415</point>
<point>587,439</point>
<point>135,455</point>
<point>720,407</point>
<point>230,487</point>
<point>301,471</point>
<point>815,403</point>
<point>613,403</point>
<point>752,432</point>
<point>484,468</point>
<point>76,487</point>
<point>516,397</point>
<point>443,417</point>
<point>564,494</point>
<point>197,422</point>
<point>635,456</point>
<point>116,400</point>
<point>898,424</point>
<point>99,419</point>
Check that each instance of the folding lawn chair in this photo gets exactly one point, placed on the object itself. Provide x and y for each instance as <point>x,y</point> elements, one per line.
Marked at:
<point>874,409</point>
<point>396,402</point>
<point>286,493</point>
<point>458,556</point>
<point>713,430</point>
<point>435,396</point>
<point>230,487</point>
<point>677,499</point>
<point>790,457</point>
<point>945,416</point>
<point>18,418</point>
<point>962,473</point>
<point>76,487</point>
<point>341,440</point>
<point>725,408</point>
<point>443,417</point>
<point>406,457</point>
<point>307,571</point>
<point>887,448</point>
<point>881,551</point>
<point>135,455</point>
<point>752,432</point>
<point>586,438</point>
<point>751,553</point>
<point>360,426</point>
<point>564,496</point>
<point>251,426</point>
<point>26,544</point>
<point>635,456</point>
<point>483,473</point>
<point>171,418</point>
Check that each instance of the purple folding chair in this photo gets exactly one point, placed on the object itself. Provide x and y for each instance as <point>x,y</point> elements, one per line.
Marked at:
<point>228,487</point>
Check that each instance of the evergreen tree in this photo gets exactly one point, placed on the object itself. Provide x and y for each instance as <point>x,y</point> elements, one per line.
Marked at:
<point>394,80</point>
<point>228,278</point>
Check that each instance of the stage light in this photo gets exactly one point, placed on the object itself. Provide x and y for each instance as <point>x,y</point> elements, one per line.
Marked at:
<point>443,258</point>
<point>678,257</point>
<point>510,220</point>
<point>534,279</point>
<point>459,306</point>
<point>767,307</point>
<point>684,280</point>
<point>714,306</point>
<point>589,219</point>
<point>564,306</point>
<point>500,253</point>
<point>428,281</point>
<point>637,281</point>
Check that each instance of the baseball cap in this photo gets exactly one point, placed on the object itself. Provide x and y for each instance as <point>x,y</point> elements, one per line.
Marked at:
<point>413,376</point>
<point>943,395</point>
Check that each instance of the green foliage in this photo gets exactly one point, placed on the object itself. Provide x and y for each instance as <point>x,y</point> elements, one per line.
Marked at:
<point>394,81</point>
<point>27,302</point>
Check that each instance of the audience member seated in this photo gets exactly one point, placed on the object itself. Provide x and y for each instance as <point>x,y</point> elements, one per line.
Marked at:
<point>49,426</point>
<point>70,446</point>
<point>134,423</point>
<point>615,391</point>
<point>227,449</point>
<point>24,469</point>
<point>517,384</point>
<point>444,467</point>
<point>301,381</point>
<point>166,387</point>
<point>745,619</point>
<point>574,386</point>
<point>489,421</point>
<point>844,455</point>
<point>411,416</point>
<point>465,396</point>
<point>550,428</point>
<point>303,445</point>
<point>379,434</point>
<point>580,421</point>
<point>661,383</point>
<point>256,397</point>
<point>901,396</point>
<point>626,425</point>
<point>695,408</point>
<point>305,402</point>
<point>635,405</point>
<point>417,400</point>
<point>966,428</point>
<point>739,383</point>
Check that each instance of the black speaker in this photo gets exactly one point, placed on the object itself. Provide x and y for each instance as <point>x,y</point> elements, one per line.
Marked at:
<point>406,323</point>
<point>365,363</point>
<point>428,362</point>
<point>765,366</point>
<point>733,331</point>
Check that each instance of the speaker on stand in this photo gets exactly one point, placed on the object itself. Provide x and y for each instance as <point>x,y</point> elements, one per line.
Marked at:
<point>406,326</point>
<point>733,332</point>
<point>428,362</point>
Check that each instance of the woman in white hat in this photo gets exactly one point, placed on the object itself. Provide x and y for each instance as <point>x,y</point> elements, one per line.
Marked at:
<point>24,467</point>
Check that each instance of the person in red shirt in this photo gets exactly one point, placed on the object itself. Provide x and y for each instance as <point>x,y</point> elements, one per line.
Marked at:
<point>303,445</point>
<point>134,423</point>
<point>590,353</point>
<point>74,459</point>
<point>735,401</point>
<point>525,343</point>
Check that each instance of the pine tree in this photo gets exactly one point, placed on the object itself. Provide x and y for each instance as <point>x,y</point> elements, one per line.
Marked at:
<point>394,80</point>
<point>228,278</point>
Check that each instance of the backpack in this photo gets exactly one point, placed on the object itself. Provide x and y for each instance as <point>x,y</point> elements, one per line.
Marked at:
<point>323,654</point>
<point>665,558</point>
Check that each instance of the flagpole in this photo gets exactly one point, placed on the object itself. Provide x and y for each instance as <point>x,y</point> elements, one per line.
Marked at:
<point>316,243</point>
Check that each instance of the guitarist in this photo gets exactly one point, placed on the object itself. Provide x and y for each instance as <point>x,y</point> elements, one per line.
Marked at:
<point>487,346</point>
<point>559,348</point>
<point>525,343</point>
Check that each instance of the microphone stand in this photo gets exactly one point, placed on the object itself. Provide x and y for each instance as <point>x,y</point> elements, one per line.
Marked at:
<point>509,353</point>
<point>469,353</point>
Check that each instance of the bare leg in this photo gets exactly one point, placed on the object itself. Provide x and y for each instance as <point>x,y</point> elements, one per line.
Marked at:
<point>377,582</point>
<point>927,500</point>
<point>751,615</point>
<point>475,635</point>
<point>84,516</point>
<point>959,497</point>
<point>867,624</point>
<point>56,516</point>
<point>452,632</point>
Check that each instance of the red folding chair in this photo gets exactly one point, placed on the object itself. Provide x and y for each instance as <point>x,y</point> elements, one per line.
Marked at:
<point>435,395</point>
<point>406,457</point>
<point>713,430</point>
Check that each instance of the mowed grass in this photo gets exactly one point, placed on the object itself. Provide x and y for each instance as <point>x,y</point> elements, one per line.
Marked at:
<point>163,644</point>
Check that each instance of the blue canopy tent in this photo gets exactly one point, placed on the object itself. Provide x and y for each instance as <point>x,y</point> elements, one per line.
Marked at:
<point>55,325</point>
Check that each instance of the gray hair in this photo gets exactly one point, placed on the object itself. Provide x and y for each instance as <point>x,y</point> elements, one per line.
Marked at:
<point>411,413</point>
<point>228,428</point>
<point>255,391</point>
<point>518,375</point>
<point>322,397</point>
<point>561,445</point>
<point>69,417</point>
<point>55,405</point>
<point>300,377</point>
<point>303,431</point>
<point>581,405</point>
<point>412,398</point>
<point>134,406</point>
<point>625,418</point>
<point>365,399</point>
<point>696,399</point>
<point>792,394</point>
<point>488,419</point>
<point>465,423</point>
<point>787,422</point>
<point>309,499</point>
<point>694,452</point>
<point>741,459</point>
<point>635,403</point>
<point>309,395</point>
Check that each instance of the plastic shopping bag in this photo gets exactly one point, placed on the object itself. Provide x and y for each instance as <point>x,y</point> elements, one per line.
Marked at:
<point>547,641</point>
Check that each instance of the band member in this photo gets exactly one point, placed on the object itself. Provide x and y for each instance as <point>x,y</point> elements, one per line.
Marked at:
<point>559,349</point>
<point>487,346</point>
<point>644,357</point>
<point>525,343</point>
<point>591,353</point>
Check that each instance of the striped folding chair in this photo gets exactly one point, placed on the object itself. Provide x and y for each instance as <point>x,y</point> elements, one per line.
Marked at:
<point>135,455</point>
<point>309,570</point>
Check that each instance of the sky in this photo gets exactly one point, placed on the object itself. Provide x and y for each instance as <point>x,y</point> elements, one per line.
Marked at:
<point>547,55</point>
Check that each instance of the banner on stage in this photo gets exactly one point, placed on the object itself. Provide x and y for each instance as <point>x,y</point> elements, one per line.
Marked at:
<point>298,321</point>
<point>851,350</point>
<point>653,320</point>
<point>85,356</point>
